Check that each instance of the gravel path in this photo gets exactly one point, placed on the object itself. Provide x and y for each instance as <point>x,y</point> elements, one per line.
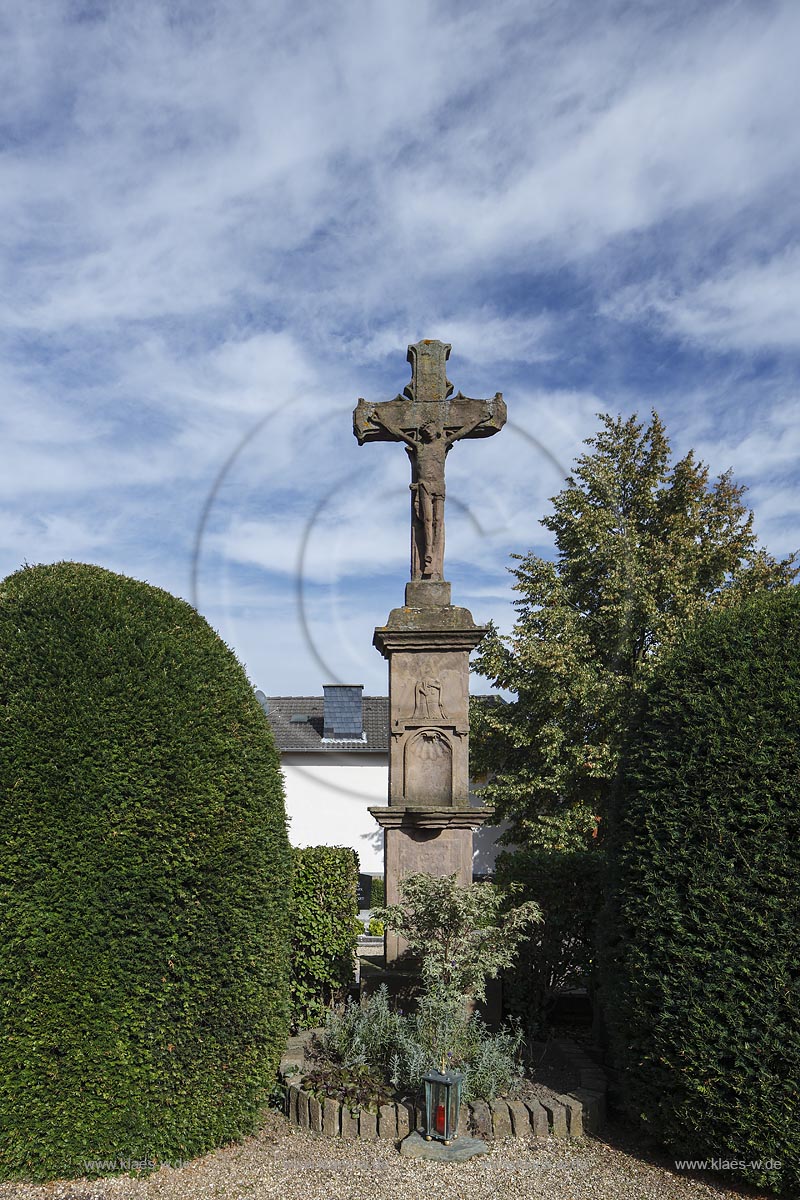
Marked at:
<point>290,1164</point>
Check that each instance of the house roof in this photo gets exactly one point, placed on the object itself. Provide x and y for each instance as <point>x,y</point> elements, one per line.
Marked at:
<point>307,735</point>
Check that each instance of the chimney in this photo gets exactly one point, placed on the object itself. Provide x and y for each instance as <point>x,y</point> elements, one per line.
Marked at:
<point>342,712</point>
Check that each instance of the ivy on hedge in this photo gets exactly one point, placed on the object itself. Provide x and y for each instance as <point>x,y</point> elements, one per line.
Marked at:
<point>145,881</point>
<point>325,909</point>
<point>701,957</point>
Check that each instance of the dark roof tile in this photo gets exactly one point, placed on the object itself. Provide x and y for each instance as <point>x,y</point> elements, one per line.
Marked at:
<point>293,736</point>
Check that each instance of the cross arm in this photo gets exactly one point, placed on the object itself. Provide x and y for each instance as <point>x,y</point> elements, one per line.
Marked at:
<point>376,423</point>
<point>480,418</point>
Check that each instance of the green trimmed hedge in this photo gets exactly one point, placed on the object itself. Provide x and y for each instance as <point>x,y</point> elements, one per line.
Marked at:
<point>326,925</point>
<point>145,880</point>
<point>701,961</point>
<point>567,886</point>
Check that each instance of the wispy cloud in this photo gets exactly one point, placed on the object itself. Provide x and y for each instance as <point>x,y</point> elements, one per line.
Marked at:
<point>219,228</point>
<point>748,307</point>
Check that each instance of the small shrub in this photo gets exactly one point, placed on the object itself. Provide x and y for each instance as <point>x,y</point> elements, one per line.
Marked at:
<point>356,1086</point>
<point>401,1048</point>
<point>363,1033</point>
<point>375,928</point>
<point>464,935</point>
<point>495,1067</point>
<point>326,928</point>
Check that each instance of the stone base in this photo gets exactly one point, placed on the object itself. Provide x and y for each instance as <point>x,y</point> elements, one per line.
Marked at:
<point>434,851</point>
<point>427,593</point>
<point>459,1150</point>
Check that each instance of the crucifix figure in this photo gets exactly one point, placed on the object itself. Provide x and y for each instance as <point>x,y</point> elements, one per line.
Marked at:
<point>429,420</point>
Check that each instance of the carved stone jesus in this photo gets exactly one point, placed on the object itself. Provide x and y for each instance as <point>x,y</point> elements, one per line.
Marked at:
<point>429,422</point>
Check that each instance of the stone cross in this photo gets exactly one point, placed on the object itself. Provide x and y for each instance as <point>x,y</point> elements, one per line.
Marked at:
<point>429,420</point>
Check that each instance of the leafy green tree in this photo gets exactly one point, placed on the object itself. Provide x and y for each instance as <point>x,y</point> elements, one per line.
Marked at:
<point>642,548</point>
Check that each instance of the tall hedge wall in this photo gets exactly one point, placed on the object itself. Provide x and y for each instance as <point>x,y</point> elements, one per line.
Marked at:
<point>325,928</point>
<point>144,884</point>
<point>702,950</point>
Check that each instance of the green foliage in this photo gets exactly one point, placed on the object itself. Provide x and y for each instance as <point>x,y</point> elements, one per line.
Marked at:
<point>402,1047</point>
<point>375,927</point>
<point>363,1033</point>
<point>642,548</point>
<point>567,886</point>
<point>326,926</point>
<point>702,931</point>
<point>357,1086</point>
<point>145,879</point>
<point>377,895</point>
<point>463,934</point>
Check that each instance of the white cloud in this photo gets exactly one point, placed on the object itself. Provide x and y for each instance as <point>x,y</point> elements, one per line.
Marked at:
<point>751,307</point>
<point>769,448</point>
<point>219,229</point>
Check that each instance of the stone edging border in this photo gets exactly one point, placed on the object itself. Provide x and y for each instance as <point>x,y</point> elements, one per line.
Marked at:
<point>551,1114</point>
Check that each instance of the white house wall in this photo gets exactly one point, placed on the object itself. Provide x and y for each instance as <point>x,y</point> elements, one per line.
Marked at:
<point>327,798</point>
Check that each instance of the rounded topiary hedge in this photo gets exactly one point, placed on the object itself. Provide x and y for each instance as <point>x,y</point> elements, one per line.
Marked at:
<point>701,960</point>
<point>145,880</point>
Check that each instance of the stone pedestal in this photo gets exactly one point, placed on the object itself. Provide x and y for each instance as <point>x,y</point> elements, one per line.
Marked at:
<point>428,822</point>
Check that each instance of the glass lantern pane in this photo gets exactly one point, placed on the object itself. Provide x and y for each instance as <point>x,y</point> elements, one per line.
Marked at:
<point>440,1110</point>
<point>455,1104</point>
<point>428,1107</point>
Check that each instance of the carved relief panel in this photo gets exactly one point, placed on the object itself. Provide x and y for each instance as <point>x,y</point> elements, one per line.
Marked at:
<point>428,768</point>
<point>430,727</point>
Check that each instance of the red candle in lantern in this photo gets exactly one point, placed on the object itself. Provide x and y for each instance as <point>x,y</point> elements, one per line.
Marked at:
<point>440,1118</point>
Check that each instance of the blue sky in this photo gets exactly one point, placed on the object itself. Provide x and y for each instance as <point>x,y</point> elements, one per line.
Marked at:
<point>222,224</point>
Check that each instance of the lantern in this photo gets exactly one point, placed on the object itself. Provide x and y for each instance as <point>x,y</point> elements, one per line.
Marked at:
<point>442,1102</point>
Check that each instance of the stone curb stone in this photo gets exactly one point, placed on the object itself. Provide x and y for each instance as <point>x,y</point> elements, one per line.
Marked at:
<point>538,1118</point>
<point>368,1125</point>
<point>302,1109</point>
<point>574,1110</point>
<point>481,1119</point>
<point>293,1101</point>
<point>387,1121</point>
<point>556,1117</point>
<point>349,1123</point>
<point>520,1118</point>
<point>406,1118</point>
<point>594,1108</point>
<point>331,1116</point>
<point>314,1115</point>
<point>501,1119</point>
